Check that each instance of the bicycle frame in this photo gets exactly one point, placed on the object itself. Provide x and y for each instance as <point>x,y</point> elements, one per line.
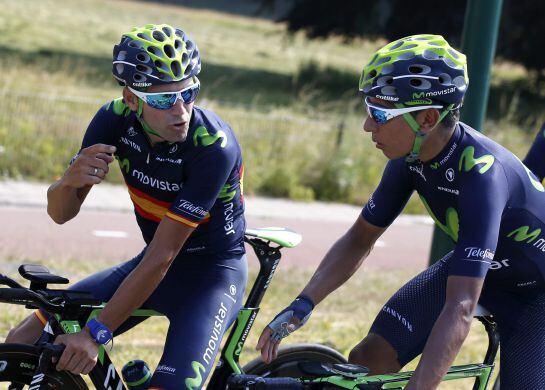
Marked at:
<point>269,258</point>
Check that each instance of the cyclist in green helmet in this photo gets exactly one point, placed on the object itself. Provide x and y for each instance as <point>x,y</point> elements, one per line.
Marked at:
<point>183,169</point>
<point>477,192</point>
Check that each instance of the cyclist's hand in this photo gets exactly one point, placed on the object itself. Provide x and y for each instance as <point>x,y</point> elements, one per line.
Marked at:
<point>80,354</point>
<point>287,321</point>
<point>89,167</point>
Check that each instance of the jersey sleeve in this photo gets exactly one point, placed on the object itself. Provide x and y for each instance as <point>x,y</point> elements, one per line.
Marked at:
<point>391,195</point>
<point>484,192</point>
<point>101,128</point>
<point>535,159</point>
<point>206,176</point>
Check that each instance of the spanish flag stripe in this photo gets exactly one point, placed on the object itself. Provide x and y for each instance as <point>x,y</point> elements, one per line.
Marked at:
<point>143,195</point>
<point>147,215</point>
<point>182,220</point>
<point>148,206</point>
<point>41,317</point>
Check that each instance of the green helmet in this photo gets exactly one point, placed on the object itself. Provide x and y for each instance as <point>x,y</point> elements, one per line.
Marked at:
<point>416,70</point>
<point>154,54</point>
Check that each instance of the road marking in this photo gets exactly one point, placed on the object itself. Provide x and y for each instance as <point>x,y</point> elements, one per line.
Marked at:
<point>110,233</point>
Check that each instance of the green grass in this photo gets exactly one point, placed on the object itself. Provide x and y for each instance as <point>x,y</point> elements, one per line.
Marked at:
<point>341,321</point>
<point>287,97</point>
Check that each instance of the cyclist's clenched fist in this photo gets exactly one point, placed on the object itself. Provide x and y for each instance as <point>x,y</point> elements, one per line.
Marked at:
<point>90,166</point>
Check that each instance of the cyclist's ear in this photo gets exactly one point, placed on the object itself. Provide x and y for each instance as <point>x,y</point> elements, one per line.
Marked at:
<point>130,99</point>
<point>428,119</point>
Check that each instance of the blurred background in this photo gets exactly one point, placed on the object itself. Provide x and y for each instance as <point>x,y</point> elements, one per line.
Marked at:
<point>284,74</point>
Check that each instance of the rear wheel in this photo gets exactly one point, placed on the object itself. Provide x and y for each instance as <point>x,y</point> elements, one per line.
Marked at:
<point>288,357</point>
<point>18,363</point>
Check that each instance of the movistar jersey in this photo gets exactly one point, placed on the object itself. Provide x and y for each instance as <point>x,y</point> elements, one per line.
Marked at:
<point>535,160</point>
<point>484,198</point>
<point>197,182</point>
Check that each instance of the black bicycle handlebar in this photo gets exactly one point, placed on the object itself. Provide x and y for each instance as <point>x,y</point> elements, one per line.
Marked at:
<point>24,296</point>
<point>254,382</point>
<point>9,282</point>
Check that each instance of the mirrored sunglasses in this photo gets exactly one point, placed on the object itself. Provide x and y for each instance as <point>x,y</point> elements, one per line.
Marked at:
<point>381,115</point>
<point>166,100</point>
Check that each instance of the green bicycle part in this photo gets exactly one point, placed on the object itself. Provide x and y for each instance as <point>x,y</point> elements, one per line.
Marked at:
<point>281,236</point>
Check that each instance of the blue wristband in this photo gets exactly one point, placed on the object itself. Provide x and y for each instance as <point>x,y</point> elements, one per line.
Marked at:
<point>99,332</point>
<point>302,306</point>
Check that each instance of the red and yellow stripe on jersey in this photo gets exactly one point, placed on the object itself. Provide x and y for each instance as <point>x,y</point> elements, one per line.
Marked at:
<point>153,209</point>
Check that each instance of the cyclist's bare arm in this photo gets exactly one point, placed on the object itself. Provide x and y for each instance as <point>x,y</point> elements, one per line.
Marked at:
<point>340,262</point>
<point>80,354</point>
<point>343,259</point>
<point>144,279</point>
<point>65,196</point>
<point>448,333</point>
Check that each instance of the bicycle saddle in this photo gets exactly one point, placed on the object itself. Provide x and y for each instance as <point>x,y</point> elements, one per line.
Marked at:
<point>40,276</point>
<point>281,236</point>
<point>324,369</point>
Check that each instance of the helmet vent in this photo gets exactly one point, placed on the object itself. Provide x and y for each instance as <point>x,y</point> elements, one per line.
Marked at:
<point>185,59</point>
<point>155,51</point>
<point>167,31</point>
<point>178,44</point>
<point>143,57</point>
<point>387,69</point>
<point>119,68</point>
<point>373,60</point>
<point>406,56</point>
<point>189,45</point>
<point>144,69</point>
<point>460,82</point>
<point>385,80</point>
<point>383,60</point>
<point>453,53</point>
<point>138,77</point>
<point>388,90</point>
<point>158,35</point>
<point>160,65</point>
<point>430,55</point>
<point>121,55</point>
<point>135,44</point>
<point>372,74</point>
<point>169,51</point>
<point>445,79</point>
<point>179,33</point>
<point>397,45</point>
<point>176,68</point>
<point>143,36</point>
<point>420,83</point>
<point>450,63</point>
<point>410,46</point>
<point>419,69</point>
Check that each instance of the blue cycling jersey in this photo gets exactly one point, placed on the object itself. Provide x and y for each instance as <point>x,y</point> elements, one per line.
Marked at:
<point>197,182</point>
<point>535,159</point>
<point>484,198</point>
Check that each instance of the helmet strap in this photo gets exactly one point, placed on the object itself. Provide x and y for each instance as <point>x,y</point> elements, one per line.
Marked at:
<point>145,126</point>
<point>414,154</point>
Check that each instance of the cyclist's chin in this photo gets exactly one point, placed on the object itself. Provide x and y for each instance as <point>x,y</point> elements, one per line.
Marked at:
<point>176,133</point>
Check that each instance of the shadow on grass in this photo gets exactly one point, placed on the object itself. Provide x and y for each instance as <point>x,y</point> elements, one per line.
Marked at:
<point>230,84</point>
<point>267,9</point>
<point>312,86</point>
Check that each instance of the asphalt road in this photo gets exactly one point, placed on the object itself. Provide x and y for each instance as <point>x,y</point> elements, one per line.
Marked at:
<point>27,233</point>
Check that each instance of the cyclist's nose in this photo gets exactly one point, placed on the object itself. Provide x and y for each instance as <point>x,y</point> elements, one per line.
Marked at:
<point>369,125</point>
<point>180,108</point>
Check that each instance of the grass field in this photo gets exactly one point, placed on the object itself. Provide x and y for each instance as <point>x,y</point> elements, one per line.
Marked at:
<point>291,101</point>
<point>340,321</point>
